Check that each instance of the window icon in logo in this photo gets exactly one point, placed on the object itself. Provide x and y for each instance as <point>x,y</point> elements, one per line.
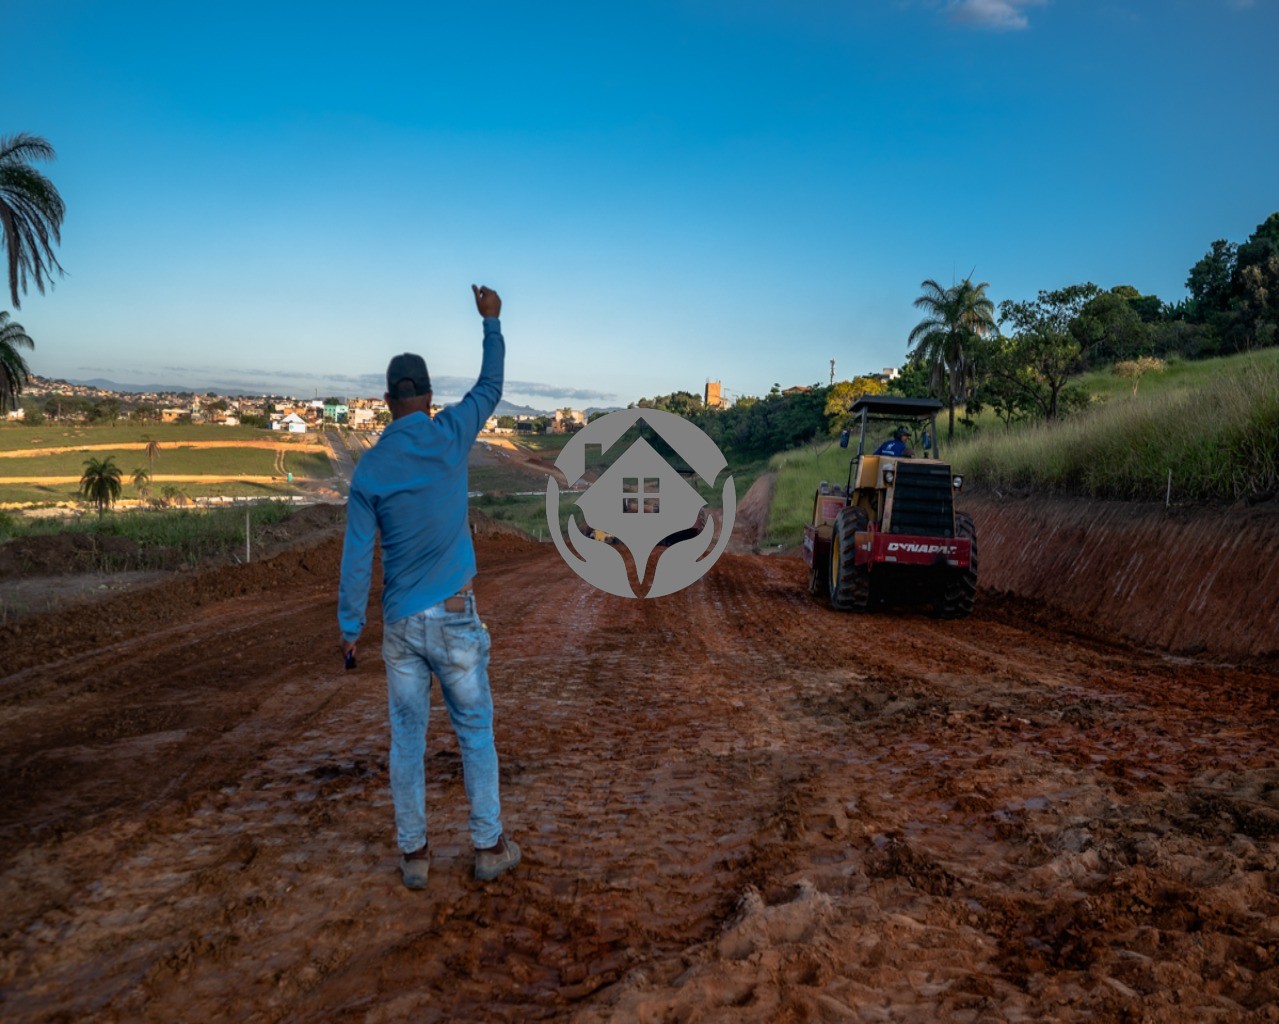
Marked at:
<point>642,503</point>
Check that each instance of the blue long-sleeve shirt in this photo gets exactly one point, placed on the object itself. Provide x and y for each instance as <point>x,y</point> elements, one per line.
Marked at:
<point>411,486</point>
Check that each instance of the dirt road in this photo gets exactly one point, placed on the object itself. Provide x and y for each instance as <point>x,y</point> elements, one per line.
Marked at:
<point>290,445</point>
<point>734,806</point>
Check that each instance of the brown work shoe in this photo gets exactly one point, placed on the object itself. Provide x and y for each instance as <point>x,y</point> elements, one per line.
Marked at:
<point>502,857</point>
<point>415,868</point>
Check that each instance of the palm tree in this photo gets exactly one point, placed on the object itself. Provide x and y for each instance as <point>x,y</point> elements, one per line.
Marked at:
<point>14,372</point>
<point>946,340</point>
<point>152,450</point>
<point>142,481</point>
<point>101,482</point>
<point>30,213</point>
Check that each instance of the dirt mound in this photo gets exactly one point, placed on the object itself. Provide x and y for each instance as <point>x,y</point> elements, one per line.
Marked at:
<point>751,519</point>
<point>66,553</point>
<point>1187,580</point>
<point>118,618</point>
<point>496,532</point>
<point>307,526</point>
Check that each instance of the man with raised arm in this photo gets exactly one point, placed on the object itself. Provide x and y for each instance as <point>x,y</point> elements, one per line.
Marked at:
<point>411,487</point>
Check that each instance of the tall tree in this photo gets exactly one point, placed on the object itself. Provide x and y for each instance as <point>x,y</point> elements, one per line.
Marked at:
<point>142,481</point>
<point>1210,280</point>
<point>100,482</point>
<point>956,319</point>
<point>1256,285</point>
<point>30,214</point>
<point>1044,353</point>
<point>152,450</point>
<point>841,396</point>
<point>14,372</point>
<point>1108,328</point>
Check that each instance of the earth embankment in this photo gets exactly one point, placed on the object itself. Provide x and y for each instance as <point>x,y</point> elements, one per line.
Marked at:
<point>1203,580</point>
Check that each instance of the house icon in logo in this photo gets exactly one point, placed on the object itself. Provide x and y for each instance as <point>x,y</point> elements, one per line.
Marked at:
<point>640,499</point>
<point>643,503</point>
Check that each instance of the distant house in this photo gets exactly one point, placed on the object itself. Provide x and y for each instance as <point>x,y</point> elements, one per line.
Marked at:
<point>336,412</point>
<point>293,423</point>
<point>567,419</point>
<point>174,415</point>
<point>363,419</point>
<point>15,414</point>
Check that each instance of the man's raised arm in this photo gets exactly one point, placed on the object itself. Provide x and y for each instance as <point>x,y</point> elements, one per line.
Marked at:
<point>479,403</point>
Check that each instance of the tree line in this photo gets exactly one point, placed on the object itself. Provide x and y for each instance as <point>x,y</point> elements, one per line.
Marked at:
<point>1021,362</point>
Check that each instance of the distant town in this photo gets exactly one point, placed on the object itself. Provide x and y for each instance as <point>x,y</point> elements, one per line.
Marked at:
<point>67,401</point>
<point>51,399</point>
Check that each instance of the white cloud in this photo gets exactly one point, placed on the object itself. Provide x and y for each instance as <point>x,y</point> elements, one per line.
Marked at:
<point>997,15</point>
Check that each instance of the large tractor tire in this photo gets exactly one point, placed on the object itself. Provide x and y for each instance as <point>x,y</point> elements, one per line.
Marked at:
<point>960,589</point>
<point>849,583</point>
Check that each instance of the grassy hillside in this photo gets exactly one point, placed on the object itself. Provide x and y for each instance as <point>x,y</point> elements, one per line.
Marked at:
<point>1214,424</point>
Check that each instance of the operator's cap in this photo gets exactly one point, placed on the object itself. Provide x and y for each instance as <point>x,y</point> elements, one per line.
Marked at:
<point>901,432</point>
<point>406,376</point>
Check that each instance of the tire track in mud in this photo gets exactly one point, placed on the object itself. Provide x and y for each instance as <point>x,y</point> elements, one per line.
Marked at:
<point>980,859</point>
<point>734,803</point>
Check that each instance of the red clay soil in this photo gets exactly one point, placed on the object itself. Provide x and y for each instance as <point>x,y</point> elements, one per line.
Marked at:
<point>735,805</point>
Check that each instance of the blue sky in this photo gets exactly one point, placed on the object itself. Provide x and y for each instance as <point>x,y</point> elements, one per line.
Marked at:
<point>284,195</point>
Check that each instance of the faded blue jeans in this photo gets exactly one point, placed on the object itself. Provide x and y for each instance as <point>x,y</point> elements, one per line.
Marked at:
<point>455,646</point>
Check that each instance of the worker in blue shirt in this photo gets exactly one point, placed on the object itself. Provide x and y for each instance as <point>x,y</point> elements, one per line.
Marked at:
<point>897,445</point>
<point>412,488</point>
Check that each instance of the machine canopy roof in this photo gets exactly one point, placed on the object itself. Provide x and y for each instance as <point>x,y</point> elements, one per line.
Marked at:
<point>892,407</point>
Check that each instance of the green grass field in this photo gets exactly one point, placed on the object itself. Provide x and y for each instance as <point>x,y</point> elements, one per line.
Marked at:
<point>546,445</point>
<point>504,479</point>
<point>176,457</point>
<point>14,436</point>
<point>175,460</point>
<point>526,511</point>
<point>307,465</point>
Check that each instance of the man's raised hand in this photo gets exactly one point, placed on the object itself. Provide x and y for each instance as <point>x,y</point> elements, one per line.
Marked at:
<point>487,301</point>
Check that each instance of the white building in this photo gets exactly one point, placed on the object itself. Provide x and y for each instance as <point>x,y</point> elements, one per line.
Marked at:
<point>293,423</point>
